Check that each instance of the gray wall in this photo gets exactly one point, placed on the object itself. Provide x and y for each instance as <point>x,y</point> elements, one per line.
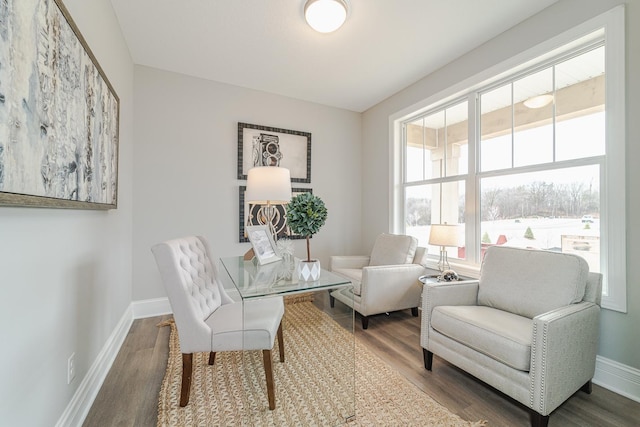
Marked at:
<point>185,176</point>
<point>65,275</point>
<point>618,330</point>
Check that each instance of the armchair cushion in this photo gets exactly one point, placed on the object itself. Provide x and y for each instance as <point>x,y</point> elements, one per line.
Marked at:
<point>393,249</point>
<point>512,280</point>
<point>354,275</point>
<point>503,336</point>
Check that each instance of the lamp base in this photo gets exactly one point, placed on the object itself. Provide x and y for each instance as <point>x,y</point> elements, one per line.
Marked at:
<point>443,262</point>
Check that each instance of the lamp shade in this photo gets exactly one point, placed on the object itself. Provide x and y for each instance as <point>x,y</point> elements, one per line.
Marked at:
<point>444,235</point>
<point>268,184</point>
<point>325,16</point>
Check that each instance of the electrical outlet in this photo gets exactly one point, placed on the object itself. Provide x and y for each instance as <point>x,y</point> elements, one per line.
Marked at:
<point>71,368</point>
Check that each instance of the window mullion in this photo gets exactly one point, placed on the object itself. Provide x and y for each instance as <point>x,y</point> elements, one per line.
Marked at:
<point>472,197</point>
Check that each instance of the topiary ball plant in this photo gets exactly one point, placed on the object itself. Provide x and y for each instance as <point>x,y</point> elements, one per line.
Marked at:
<point>306,214</point>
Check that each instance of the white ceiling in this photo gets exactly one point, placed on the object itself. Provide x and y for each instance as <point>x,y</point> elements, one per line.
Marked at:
<point>384,46</point>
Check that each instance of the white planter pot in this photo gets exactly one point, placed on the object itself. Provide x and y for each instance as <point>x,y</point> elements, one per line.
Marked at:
<point>308,271</point>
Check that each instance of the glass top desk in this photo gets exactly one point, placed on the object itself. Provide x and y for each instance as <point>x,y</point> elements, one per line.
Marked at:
<point>317,380</point>
<point>277,278</point>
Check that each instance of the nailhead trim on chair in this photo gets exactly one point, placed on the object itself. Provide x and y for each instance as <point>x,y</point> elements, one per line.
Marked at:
<point>543,367</point>
<point>532,371</point>
<point>545,332</point>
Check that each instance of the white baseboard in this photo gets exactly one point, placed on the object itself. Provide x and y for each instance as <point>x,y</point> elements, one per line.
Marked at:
<point>614,376</point>
<point>80,404</point>
<point>151,308</point>
<point>618,378</point>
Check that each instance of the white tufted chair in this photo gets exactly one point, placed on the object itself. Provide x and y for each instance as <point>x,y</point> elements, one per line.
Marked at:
<point>208,320</point>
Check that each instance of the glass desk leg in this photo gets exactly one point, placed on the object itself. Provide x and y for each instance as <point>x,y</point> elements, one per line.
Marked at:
<point>315,385</point>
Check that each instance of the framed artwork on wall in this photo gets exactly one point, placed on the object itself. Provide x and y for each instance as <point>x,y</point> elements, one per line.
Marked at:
<point>268,146</point>
<point>253,214</point>
<point>59,114</point>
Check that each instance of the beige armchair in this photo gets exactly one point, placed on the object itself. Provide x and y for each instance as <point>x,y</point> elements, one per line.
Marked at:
<point>207,319</point>
<point>386,280</point>
<point>529,328</point>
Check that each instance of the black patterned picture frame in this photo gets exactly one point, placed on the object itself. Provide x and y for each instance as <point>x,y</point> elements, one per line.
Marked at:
<point>269,146</point>
<point>59,147</point>
<point>249,215</point>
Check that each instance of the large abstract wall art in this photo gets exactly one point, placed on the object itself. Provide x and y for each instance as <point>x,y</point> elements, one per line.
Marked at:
<point>58,112</point>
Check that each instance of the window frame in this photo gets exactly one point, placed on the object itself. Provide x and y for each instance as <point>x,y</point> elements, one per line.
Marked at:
<point>607,29</point>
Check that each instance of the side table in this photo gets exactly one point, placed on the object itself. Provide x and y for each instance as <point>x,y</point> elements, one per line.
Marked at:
<point>433,278</point>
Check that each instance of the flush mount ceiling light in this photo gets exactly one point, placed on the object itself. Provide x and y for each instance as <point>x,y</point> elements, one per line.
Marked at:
<point>538,101</point>
<point>325,16</point>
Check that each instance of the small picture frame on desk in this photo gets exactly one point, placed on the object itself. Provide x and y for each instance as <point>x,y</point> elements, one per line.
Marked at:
<point>264,248</point>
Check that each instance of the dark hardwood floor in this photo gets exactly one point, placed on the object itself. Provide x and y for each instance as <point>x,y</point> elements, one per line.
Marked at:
<point>129,394</point>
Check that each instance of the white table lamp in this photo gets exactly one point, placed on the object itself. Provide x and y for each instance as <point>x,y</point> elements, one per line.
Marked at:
<point>268,186</point>
<point>444,235</point>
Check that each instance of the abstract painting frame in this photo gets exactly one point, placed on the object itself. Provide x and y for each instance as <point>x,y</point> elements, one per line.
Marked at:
<point>248,216</point>
<point>59,114</point>
<point>269,146</point>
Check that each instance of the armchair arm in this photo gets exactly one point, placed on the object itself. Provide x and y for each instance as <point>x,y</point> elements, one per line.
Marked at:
<point>389,288</point>
<point>444,293</point>
<point>348,261</point>
<point>448,293</point>
<point>563,353</point>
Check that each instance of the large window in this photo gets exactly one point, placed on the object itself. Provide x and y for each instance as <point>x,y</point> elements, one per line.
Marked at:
<point>526,160</point>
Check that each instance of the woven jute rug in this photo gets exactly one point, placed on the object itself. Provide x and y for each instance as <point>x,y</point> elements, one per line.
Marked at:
<point>314,386</point>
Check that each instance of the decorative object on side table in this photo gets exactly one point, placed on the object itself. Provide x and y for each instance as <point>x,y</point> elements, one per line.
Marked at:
<point>449,276</point>
<point>306,214</point>
<point>437,278</point>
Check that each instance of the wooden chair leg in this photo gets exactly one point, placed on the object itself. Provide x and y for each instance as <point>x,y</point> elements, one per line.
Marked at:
<point>281,342</point>
<point>538,420</point>
<point>365,322</point>
<point>428,359</point>
<point>212,358</point>
<point>268,371</point>
<point>187,364</point>
<point>414,311</point>
<point>587,388</point>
